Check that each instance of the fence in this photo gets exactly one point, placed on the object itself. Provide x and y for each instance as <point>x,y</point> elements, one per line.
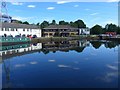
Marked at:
<point>14,39</point>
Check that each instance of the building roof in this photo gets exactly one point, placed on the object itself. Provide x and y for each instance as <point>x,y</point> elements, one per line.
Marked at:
<point>16,25</point>
<point>60,27</point>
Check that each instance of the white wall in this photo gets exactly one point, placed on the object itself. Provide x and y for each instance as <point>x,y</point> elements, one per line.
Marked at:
<point>20,31</point>
<point>84,31</point>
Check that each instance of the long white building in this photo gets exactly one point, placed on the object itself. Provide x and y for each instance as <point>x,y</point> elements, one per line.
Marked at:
<point>19,29</point>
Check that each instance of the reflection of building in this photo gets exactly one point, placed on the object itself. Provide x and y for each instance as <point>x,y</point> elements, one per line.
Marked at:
<point>18,50</point>
<point>65,46</point>
<point>59,30</point>
<point>60,45</point>
<point>84,43</point>
<point>19,29</point>
<point>84,31</point>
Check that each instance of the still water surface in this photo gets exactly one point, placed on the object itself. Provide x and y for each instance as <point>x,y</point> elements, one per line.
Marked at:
<point>66,64</point>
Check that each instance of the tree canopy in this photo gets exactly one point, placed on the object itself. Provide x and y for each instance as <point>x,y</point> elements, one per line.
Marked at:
<point>26,23</point>
<point>97,29</point>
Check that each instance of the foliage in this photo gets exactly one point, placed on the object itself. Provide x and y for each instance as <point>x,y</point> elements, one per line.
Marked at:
<point>96,44</point>
<point>97,29</point>
<point>63,23</point>
<point>26,23</point>
<point>111,28</point>
<point>44,24</point>
<point>53,22</point>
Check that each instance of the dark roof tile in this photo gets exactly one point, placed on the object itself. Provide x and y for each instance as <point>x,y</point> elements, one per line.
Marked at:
<point>16,25</point>
<point>60,27</point>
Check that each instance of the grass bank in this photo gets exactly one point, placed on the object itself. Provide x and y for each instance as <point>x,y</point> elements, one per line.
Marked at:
<point>48,39</point>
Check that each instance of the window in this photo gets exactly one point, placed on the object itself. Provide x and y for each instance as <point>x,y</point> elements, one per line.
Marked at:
<point>30,30</point>
<point>16,29</point>
<point>2,29</point>
<point>6,29</point>
<point>12,29</point>
<point>23,29</point>
<point>27,29</point>
<point>50,34</point>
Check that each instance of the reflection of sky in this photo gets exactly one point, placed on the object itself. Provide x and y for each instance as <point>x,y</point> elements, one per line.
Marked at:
<point>0,76</point>
<point>91,68</point>
<point>110,75</point>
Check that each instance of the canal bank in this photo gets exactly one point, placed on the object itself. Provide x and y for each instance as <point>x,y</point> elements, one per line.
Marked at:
<point>48,39</point>
<point>15,41</point>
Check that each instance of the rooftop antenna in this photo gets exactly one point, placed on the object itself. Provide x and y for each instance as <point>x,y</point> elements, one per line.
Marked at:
<point>4,12</point>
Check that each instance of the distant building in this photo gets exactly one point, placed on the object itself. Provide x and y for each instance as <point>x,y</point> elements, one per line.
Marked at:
<point>59,30</point>
<point>19,29</point>
<point>84,31</point>
<point>5,18</point>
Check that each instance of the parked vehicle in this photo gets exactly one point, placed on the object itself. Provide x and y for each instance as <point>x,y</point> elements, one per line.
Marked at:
<point>23,35</point>
<point>18,36</point>
<point>10,36</point>
<point>34,36</point>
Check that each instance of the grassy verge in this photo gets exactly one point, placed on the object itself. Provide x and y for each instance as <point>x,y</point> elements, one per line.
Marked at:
<point>48,39</point>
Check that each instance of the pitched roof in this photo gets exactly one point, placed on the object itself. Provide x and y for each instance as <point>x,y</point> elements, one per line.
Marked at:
<point>60,27</point>
<point>16,25</point>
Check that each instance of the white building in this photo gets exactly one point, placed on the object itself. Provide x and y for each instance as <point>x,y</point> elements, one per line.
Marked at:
<point>19,29</point>
<point>84,31</point>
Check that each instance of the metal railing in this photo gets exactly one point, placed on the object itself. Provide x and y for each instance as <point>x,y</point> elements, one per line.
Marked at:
<point>14,39</point>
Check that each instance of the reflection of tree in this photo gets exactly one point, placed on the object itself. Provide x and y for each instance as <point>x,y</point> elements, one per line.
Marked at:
<point>79,49</point>
<point>96,44</point>
<point>45,51</point>
<point>7,71</point>
<point>57,33</point>
<point>111,44</point>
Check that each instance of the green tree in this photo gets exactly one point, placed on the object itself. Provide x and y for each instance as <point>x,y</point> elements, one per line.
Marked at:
<point>118,30</point>
<point>79,24</point>
<point>38,24</point>
<point>96,44</point>
<point>95,30</point>
<point>111,28</point>
<point>44,24</point>
<point>63,23</point>
<point>53,22</point>
<point>26,23</point>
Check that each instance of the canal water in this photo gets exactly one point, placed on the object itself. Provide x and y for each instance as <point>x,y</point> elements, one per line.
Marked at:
<point>64,64</point>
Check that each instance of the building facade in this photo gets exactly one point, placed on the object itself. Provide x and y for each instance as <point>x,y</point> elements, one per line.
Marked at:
<point>59,30</point>
<point>14,29</point>
<point>84,31</point>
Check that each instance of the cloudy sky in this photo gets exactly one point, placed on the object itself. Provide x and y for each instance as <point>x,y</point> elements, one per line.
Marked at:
<point>90,12</point>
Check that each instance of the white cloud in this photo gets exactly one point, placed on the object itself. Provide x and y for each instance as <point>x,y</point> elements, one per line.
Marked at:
<point>16,3</point>
<point>33,62</point>
<point>19,65</point>
<point>87,9</point>
<point>76,5</point>
<point>94,14</point>
<point>22,18</point>
<point>51,60</point>
<point>31,6</point>
<point>112,0</point>
<point>112,67</point>
<point>62,2</point>
<point>63,66</point>
<point>51,8</point>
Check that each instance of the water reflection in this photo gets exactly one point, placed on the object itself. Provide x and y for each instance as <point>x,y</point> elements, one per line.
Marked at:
<point>64,46</point>
<point>72,64</point>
